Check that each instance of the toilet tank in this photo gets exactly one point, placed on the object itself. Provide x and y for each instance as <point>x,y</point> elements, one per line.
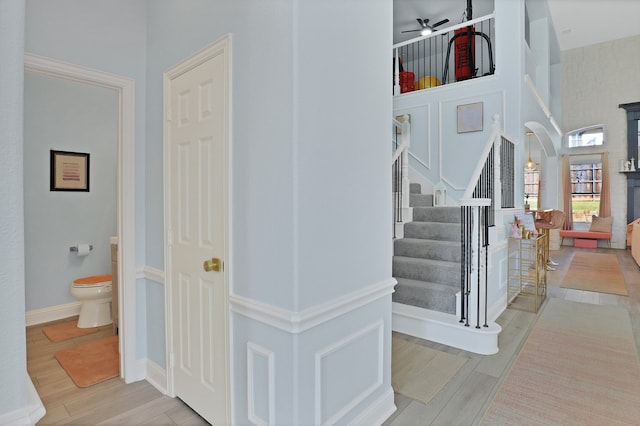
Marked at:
<point>114,283</point>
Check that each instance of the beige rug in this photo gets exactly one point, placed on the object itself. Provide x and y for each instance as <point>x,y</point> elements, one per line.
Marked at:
<point>420,372</point>
<point>579,366</point>
<point>91,363</point>
<point>66,330</point>
<point>595,272</point>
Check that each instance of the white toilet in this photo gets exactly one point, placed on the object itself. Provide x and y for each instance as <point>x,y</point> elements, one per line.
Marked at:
<point>95,294</point>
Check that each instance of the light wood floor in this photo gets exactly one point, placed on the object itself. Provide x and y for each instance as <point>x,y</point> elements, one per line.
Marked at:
<point>108,403</point>
<point>461,402</point>
<point>466,397</point>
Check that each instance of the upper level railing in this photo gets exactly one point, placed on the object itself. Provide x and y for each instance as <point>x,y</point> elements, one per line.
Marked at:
<point>456,53</point>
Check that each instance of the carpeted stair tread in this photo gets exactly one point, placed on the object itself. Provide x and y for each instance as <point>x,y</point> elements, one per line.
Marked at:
<point>427,249</point>
<point>427,295</point>
<point>415,188</point>
<point>420,200</point>
<point>438,271</point>
<point>444,214</point>
<point>432,231</point>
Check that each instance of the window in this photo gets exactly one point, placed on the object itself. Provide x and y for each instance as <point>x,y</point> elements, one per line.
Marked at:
<point>587,136</point>
<point>531,185</point>
<point>586,184</point>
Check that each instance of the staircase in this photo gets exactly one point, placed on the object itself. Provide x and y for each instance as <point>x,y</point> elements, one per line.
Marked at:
<point>426,262</point>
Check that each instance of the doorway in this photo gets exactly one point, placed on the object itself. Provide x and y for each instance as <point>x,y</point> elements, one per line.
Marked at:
<point>124,88</point>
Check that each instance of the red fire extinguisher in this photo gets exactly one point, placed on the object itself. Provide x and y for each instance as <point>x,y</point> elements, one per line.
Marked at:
<point>465,48</point>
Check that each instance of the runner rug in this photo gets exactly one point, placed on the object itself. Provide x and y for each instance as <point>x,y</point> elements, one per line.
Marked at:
<point>91,363</point>
<point>595,272</point>
<point>578,366</point>
<point>420,372</point>
<point>66,330</point>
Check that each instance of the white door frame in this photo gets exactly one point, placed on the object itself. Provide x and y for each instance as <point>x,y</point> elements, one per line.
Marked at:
<point>193,61</point>
<point>125,87</point>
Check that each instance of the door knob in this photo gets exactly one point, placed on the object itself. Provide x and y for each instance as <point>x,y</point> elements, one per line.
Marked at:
<point>212,264</point>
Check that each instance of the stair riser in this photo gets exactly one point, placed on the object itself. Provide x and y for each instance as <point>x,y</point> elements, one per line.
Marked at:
<point>437,214</point>
<point>427,249</point>
<point>432,231</point>
<point>421,270</point>
<point>426,298</point>
<point>420,200</point>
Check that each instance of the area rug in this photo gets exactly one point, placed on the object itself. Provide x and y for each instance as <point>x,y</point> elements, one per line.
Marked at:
<point>595,272</point>
<point>420,372</point>
<point>66,330</point>
<point>579,366</point>
<point>91,363</point>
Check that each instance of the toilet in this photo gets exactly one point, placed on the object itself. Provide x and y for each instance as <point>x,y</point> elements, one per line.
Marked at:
<point>95,294</point>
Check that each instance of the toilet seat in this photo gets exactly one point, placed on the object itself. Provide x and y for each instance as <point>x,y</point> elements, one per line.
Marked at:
<point>92,281</point>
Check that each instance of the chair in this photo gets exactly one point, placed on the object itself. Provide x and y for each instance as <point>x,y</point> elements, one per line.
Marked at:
<point>547,220</point>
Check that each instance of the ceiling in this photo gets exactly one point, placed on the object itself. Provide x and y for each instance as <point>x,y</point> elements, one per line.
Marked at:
<point>577,22</point>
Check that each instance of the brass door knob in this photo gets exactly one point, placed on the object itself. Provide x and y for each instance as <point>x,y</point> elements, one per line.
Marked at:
<point>212,264</point>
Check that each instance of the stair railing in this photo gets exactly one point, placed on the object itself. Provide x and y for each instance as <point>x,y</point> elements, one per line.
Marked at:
<point>400,168</point>
<point>491,185</point>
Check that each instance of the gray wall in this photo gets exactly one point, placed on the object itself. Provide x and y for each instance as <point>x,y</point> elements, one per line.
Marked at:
<point>68,116</point>
<point>596,79</point>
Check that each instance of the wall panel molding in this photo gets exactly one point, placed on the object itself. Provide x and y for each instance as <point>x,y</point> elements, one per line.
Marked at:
<point>255,351</point>
<point>297,322</point>
<point>322,359</point>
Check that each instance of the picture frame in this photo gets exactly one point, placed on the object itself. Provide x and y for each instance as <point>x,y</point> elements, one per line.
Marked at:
<point>470,117</point>
<point>69,171</point>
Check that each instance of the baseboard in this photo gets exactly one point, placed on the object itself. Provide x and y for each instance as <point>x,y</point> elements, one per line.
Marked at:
<point>157,376</point>
<point>28,415</point>
<point>53,313</point>
<point>377,412</point>
<point>445,328</point>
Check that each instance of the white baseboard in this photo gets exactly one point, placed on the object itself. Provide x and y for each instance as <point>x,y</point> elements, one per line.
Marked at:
<point>445,328</point>
<point>53,313</point>
<point>377,412</point>
<point>157,376</point>
<point>28,415</point>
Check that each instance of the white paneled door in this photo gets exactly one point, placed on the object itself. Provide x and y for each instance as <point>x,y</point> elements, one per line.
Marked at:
<point>197,107</point>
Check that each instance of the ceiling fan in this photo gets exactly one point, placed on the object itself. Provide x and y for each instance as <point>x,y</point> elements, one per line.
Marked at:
<point>426,29</point>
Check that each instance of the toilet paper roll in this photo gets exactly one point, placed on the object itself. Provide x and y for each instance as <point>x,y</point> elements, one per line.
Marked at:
<point>83,250</point>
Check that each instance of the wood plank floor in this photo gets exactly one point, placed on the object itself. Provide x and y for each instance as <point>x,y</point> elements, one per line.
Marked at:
<point>466,397</point>
<point>108,403</point>
<point>462,401</point>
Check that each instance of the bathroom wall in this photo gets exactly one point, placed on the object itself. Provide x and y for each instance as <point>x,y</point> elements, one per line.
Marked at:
<point>68,116</point>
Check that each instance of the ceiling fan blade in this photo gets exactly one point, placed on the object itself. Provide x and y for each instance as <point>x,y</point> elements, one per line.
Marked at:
<point>444,21</point>
<point>422,22</point>
<point>410,31</point>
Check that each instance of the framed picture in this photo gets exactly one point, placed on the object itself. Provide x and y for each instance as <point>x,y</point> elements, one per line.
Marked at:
<point>470,117</point>
<point>69,171</point>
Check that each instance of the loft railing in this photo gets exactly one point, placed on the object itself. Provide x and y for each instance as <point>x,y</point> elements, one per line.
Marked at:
<point>400,168</point>
<point>492,184</point>
<point>456,53</point>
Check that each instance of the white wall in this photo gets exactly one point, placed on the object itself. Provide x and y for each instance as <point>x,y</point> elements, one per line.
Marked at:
<point>13,366</point>
<point>68,116</point>
<point>596,79</point>
<point>310,189</point>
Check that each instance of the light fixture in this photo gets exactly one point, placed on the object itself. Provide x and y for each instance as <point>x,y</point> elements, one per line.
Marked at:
<point>426,30</point>
<point>529,166</point>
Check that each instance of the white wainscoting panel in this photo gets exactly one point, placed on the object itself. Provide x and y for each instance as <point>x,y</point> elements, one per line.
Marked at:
<point>260,380</point>
<point>367,345</point>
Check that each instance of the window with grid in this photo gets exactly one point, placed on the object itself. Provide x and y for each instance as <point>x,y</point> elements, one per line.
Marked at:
<point>586,184</point>
<point>531,185</point>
